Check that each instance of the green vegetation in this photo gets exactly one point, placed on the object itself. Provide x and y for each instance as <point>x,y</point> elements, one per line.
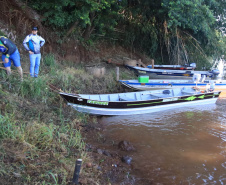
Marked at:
<point>171,32</point>
<point>89,15</point>
<point>40,136</point>
<point>8,128</point>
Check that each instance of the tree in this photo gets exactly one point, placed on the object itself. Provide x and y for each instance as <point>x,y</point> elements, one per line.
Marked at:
<point>197,21</point>
<point>171,31</point>
<point>77,15</point>
<point>178,30</point>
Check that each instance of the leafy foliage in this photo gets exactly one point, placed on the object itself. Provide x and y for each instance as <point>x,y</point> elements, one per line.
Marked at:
<point>83,16</point>
<point>171,31</point>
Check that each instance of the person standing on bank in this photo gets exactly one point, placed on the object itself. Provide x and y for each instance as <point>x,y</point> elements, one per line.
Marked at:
<point>33,44</point>
<point>10,53</point>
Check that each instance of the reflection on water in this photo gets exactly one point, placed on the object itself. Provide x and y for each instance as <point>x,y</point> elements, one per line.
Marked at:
<point>185,146</point>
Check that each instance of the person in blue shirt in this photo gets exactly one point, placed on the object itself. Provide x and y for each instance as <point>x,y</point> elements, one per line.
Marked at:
<point>10,53</point>
<point>33,44</point>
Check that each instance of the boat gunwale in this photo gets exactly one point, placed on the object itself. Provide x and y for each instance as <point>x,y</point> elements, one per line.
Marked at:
<point>168,70</point>
<point>160,98</point>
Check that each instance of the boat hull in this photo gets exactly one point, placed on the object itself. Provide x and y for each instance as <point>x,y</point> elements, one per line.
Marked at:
<point>171,67</point>
<point>170,84</point>
<point>149,101</point>
<point>133,111</point>
<point>169,74</point>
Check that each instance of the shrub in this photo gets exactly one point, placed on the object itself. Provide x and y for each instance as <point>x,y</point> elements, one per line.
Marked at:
<point>39,135</point>
<point>35,88</point>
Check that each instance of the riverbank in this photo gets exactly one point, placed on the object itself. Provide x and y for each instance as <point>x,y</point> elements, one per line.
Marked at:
<point>46,136</point>
<point>41,137</point>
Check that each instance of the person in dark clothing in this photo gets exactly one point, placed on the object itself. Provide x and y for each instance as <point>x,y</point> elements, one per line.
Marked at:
<point>10,53</point>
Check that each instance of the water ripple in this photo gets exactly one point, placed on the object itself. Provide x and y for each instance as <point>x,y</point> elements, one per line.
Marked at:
<point>187,146</point>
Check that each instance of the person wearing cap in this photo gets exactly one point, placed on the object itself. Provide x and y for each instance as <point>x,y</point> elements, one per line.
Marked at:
<point>10,53</point>
<point>33,44</point>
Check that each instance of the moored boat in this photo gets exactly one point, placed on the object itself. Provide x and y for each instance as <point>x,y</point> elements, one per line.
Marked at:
<point>171,74</point>
<point>138,102</point>
<point>170,84</point>
<point>174,67</point>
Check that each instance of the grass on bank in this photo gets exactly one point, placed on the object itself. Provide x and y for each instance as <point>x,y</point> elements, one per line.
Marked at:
<point>40,136</point>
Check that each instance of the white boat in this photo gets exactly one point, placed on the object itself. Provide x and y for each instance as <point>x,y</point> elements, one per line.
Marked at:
<point>170,84</point>
<point>139,102</point>
<point>172,74</point>
<point>174,67</point>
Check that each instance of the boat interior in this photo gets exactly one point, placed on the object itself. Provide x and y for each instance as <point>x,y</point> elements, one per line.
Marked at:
<point>142,95</point>
<point>166,81</point>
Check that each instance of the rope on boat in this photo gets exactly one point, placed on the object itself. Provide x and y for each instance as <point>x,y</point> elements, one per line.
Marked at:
<point>53,88</point>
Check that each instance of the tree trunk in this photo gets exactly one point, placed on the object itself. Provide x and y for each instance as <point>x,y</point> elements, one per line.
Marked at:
<point>90,27</point>
<point>71,29</point>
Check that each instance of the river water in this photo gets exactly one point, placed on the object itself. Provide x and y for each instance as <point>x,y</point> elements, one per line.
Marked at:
<point>179,146</point>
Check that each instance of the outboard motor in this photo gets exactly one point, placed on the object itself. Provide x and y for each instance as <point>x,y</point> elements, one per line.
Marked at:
<point>215,73</point>
<point>203,77</point>
<point>210,87</point>
<point>196,77</point>
<point>193,65</point>
<point>207,87</point>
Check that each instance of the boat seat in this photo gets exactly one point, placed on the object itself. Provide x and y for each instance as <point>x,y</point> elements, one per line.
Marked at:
<point>113,97</point>
<point>187,93</point>
<point>125,98</point>
<point>138,96</point>
<point>159,95</point>
<point>162,96</point>
<point>155,96</point>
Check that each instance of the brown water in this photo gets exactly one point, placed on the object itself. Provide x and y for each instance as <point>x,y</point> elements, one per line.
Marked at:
<point>186,146</point>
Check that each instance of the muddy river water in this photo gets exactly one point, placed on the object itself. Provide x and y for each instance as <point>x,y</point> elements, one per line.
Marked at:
<point>180,146</point>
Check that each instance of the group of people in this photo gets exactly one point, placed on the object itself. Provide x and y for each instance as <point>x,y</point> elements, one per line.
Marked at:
<point>32,43</point>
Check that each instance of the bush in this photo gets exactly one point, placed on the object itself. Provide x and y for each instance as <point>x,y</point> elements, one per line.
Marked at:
<point>35,88</point>
<point>49,60</point>
<point>39,135</point>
